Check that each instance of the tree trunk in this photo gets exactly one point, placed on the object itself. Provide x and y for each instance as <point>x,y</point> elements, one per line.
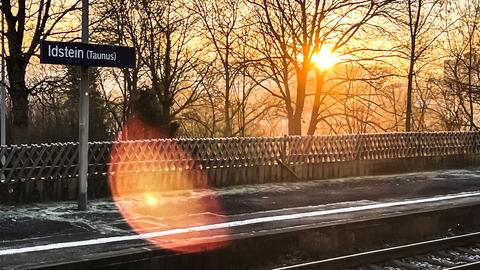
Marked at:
<point>471,118</point>
<point>19,94</point>
<point>227,132</point>
<point>320,77</point>
<point>228,121</point>
<point>408,120</point>
<point>414,26</point>
<point>296,125</point>
<point>470,87</point>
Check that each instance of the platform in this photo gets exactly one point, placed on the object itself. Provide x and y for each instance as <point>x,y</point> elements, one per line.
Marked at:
<point>49,234</point>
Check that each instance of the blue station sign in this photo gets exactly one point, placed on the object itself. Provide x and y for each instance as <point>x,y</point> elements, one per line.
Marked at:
<point>87,55</point>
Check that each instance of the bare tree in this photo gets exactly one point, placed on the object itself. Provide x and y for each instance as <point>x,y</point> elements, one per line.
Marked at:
<point>421,22</point>
<point>462,69</point>
<point>168,67</point>
<point>220,20</point>
<point>120,25</point>
<point>300,29</point>
<point>27,23</point>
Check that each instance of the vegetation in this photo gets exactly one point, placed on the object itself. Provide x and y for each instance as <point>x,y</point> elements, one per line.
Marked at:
<point>211,68</point>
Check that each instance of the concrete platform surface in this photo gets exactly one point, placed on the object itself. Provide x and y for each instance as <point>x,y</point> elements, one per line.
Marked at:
<point>53,233</point>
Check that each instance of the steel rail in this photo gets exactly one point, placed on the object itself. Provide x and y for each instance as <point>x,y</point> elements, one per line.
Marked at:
<point>386,254</point>
<point>468,266</point>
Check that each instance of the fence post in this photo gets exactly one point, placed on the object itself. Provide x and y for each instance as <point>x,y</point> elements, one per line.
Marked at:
<point>284,148</point>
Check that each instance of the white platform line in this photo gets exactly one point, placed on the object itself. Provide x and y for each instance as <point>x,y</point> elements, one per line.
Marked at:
<point>231,224</point>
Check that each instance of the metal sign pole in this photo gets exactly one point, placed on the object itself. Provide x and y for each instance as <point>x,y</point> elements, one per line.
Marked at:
<point>3,106</point>
<point>83,123</point>
<point>3,101</point>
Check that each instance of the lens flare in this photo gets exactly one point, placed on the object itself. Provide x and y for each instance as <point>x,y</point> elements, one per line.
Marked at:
<point>150,199</point>
<point>154,194</point>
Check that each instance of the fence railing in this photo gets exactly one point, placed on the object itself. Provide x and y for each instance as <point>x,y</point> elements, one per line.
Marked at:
<point>59,160</point>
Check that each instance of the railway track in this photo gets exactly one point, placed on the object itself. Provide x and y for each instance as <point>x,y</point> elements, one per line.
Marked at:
<point>460,252</point>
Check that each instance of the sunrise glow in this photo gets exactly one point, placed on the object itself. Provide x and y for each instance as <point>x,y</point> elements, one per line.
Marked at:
<point>325,59</point>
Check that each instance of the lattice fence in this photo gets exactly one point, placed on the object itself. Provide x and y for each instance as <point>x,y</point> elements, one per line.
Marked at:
<point>59,161</point>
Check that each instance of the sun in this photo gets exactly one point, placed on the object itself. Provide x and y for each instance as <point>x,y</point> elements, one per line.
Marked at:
<point>325,59</point>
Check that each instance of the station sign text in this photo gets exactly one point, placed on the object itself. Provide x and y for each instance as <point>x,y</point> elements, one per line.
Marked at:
<point>81,54</point>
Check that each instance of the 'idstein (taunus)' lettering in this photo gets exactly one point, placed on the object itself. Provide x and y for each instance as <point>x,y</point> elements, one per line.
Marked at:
<point>102,56</point>
<point>65,52</point>
<point>86,55</point>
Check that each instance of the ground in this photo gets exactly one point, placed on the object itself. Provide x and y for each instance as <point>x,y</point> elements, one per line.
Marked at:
<point>43,224</point>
